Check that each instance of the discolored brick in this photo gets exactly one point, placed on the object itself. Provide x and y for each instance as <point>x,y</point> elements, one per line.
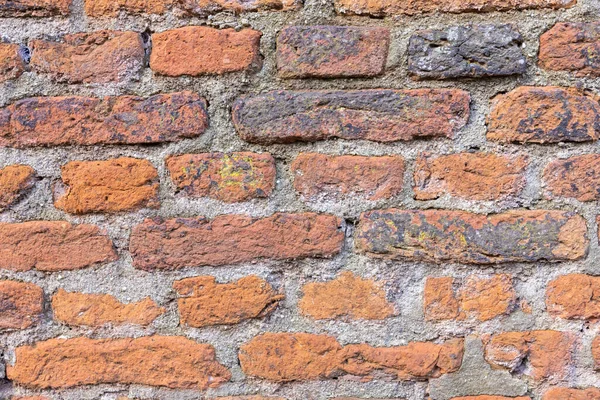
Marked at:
<point>575,177</point>
<point>574,296</point>
<point>112,8</point>
<point>15,181</point>
<point>204,7</point>
<point>34,8</point>
<point>21,304</point>
<point>572,394</point>
<point>12,64</point>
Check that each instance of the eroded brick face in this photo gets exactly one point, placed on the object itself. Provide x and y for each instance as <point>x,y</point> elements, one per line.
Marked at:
<point>12,64</point>
<point>15,181</point>
<point>572,394</point>
<point>34,8</point>
<point>575,177</point>
<point>21,304</point>
<point>571,47</point>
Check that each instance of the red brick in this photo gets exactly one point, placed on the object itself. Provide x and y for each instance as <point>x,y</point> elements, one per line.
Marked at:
<point>439,300</point>
<point>544,115</point>
<point>232,239</point>
<point>21,304</point>
<point>460,236</point>
<point>576,177</point>
<point>572,394</point>
<point>30,398</point>
<point>317,51</point>
<point>574,296</point>
<point>12,64</point>
<point>97,57</point>
<point>596,352</point>
<point>249,398</point>
<point>473,176</point>
<point>571,46</point>
<point>52,246</point>
<point>34,8</point>
<point>227,177</point>
<point>120,184</point>
<point>65,363</point>
<point>15,180</point>
<point>285,357</point>
<point>379,115</point>
<point>111,8</point>
<point>203,7</point>
<point>56,121</point>
<point>485,397</point>
<point>200,50</point>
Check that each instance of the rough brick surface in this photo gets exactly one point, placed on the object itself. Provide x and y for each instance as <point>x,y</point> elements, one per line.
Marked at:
<point>336,177</point>
<point>199,50</point>
<point>97,57</point>
<point>317,51</point>
<point>15,180</point>
<point>544,115</point>
<point>120,184</point>
<point>231,239</point>
<point>574,296</point>
<point>204,302</point>
<point>21,304</point>
<point>53,246</point>
<point>64,363</point>
<point>377,115</point>
<point>111,8</point>
<point>203,7</point>
<point>34,8</point>
<point>473,176</point>
<point>571,46</point>
<point>12,64</point>
<point>572,394</point>
<point>466,51</point>
<point>576,177</point>
<point>484,397</point>
<point>440,235</point>
<point>230,178</point>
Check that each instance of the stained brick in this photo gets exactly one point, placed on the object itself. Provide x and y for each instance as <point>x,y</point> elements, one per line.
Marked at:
<point>575,177</point>
<point>34,8</point>
<point>572,394</point>
<point>574,296</point>
<point>571,46</point>
<point>21,304</point>
<point>15,180</point>
<point>12,64</point>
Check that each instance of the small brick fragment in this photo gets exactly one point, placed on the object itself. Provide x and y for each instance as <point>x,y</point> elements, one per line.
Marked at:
<point>200,50</point>
<point>34,8</point>
<point>544,115</point>
<point>379,115</point>
<point>97,57</point>
<point>21,304</point>
<point>459,236</point>
<point>112,8</point>
<point>466,52</point>
<point>65,363</point>
<point>81,309</point>
<point>204,7</point>
<point>249,398</point>
<point>439,300</point>
<point>15,181</point>
<point>12,64</point>
<point>574,296</point>
<point>575,177</point>
<point>230,178</point>
<point>53,246</point>
<point>572,394</point>
<point>490,398</point>
<point>331,51</point>
<point>473,176</point>
<point>205,302</point>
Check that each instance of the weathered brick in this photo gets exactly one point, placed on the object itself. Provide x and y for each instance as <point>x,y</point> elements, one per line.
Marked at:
<point>227,177</point>
<point>285,357</point>
<point>249,398</point>
<point>21,304</point>
<point>443,235</point>
<point>347,296</point>
<point>202,300</point>
<point>34,8</point>
<point>30,398</point>
<point>324,176</point>
<point>111,8</point>
<point>331,51</point>
<point>200,50</point>
<point>477,297</point>
<point>485,397</point>
<point>64,363</point>
<point>53,246</point>
<point>97,57</point>
<point>12,64</point>
<point>82,309</point>
<point>466,52</point>
<point>574,296</point>
<point>231,239</point>
<point>576,177</point>
<point>56,121</point>
<point>571,46</point>
<point>120,184</point>
<point>572,394</point>
<point>379,115</point>
<point>542,355</point>
<point>544,115</point>
<point>473,176</point>
<point>596,352</point>
<point>15,180</point>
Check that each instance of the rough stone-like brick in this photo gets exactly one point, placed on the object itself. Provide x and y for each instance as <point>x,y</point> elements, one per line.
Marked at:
<point>485,397</point>
<point>249,398</point>
<point>34,8</point>
<point>285,357</point>
<point>227,177</point>
<point>15,180</point>
<point>152,360</point>
<point>205,302</point>
<point>574,296</point>
<point>347,296</point>
<point>443,235</point>
<point>97,57</point>
<point>82,309</point>
<point>203,7</point>
<point>21,304</point>
<point>576,177</point>
<point>379,115</point>
<point>30,398</point>
<point>439,300</point>
<point>12,64</point>
<point>53,246</point>
<point>231,239</point>
<point>331,51</point>
<point>55,121</point>
<point>200,50</point>
<point>111,8</point>
<point>543,355</point>
<point>324,176</point>
<point>572,394</point>
<point>473,176</point>
<point>466,52</point>
<point>571,46</point>
<point>544,115</point>
<point>120,184</point>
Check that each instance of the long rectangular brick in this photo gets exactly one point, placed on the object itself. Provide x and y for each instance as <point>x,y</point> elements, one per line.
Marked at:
<point>34,8</point>
<point>379,115</point>
<point>460,236</point>
<point>232,239</point>
<point>572,394</point>
<point>204,7</point>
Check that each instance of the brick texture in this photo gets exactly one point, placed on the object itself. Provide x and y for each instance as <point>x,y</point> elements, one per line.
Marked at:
<point>21,303</point>
<point>12,64</point>
<point>34,8</point>
<point>571,47</point>
<point>15,180</point>
<point>575,177</point>
<point>572,394</point>
<point>574,296</point>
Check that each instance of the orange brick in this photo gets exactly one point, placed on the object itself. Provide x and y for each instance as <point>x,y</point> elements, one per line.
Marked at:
<point>12,64</point>
<point>572,394</point>
<point>576,177</point>
<point>574,296</point>
<point>15,180</point>
<point>34,8</point>
<point>22,304</point>
<point>571,46</point>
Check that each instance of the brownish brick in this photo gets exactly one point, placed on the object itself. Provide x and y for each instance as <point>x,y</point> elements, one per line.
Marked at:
<point>15,180</point>
<point>34,8</point>
<point>111,8</point>
<point>203,7</point>
<point>574,296</point>
<point>576,177</point>
<point>439,300</point>
<point>572,394</point>
<point>485,397</point>
<point>21,304</point>
<point>12,65</point>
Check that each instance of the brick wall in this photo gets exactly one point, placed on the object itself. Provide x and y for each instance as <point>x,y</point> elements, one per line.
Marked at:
<point>270,199</point>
